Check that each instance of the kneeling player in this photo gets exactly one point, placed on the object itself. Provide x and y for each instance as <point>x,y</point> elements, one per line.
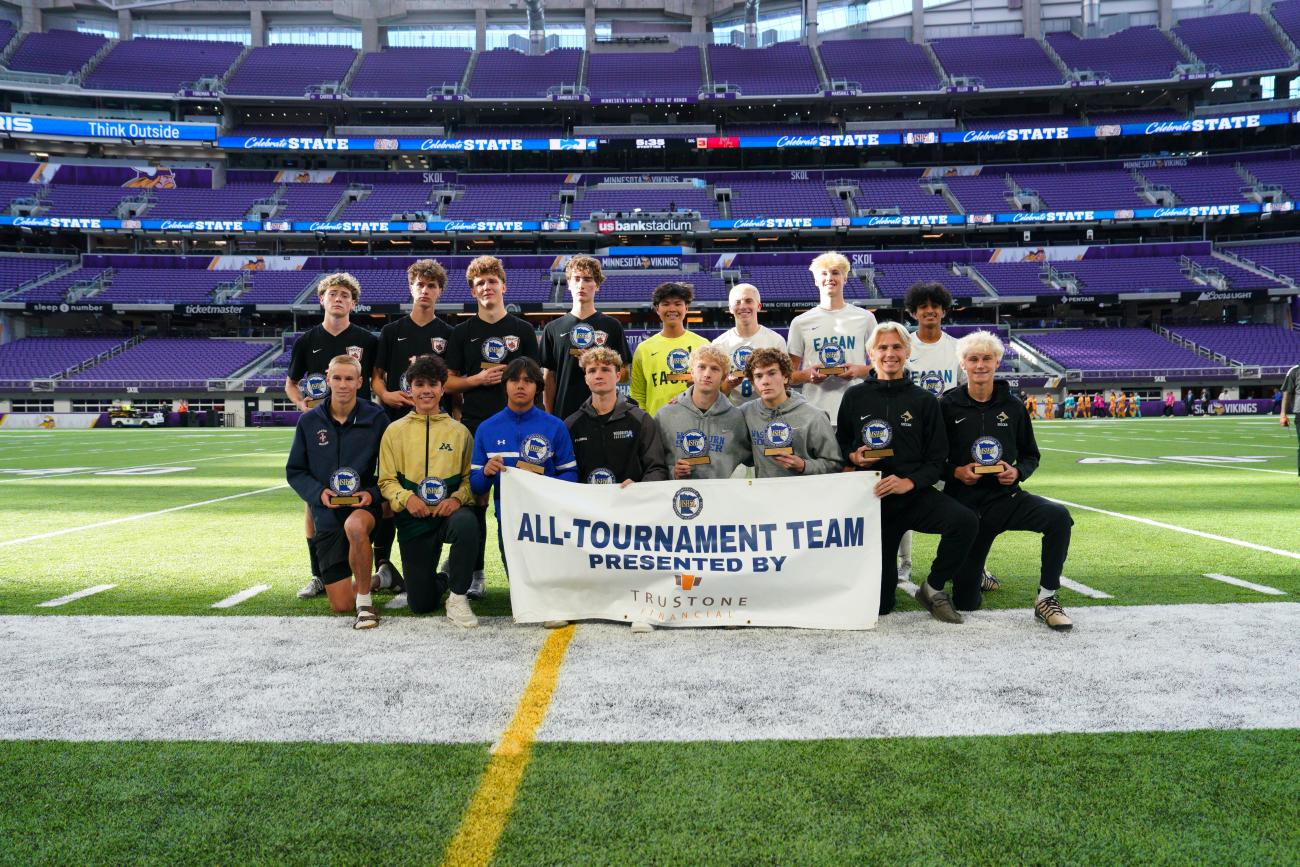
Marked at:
<point>424,465</point>
<point>789,435</point>
<point>991,451</point>
<point>887,423</point>
<point>614,441</point>
<point>335,448</point>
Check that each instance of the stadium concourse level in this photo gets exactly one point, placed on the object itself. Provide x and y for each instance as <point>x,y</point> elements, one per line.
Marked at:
<point>91,361</point>
<point>1233,43</point>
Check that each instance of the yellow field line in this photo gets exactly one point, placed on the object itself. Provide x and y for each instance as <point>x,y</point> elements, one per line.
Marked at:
<point>489,809</point>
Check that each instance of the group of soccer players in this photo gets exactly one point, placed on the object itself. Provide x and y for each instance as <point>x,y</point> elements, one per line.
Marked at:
<point>461,405</point>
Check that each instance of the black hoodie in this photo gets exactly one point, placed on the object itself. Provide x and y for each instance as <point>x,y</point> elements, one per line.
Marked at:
<point>625,442</point>
<point>912,413</point>
<point>1004,418</point>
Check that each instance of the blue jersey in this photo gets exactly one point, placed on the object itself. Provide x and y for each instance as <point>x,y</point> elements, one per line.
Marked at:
<point>533,436</point>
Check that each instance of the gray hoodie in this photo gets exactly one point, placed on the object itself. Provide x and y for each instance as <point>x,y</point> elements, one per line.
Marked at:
<point>723,429</point>
<point>806,429</point>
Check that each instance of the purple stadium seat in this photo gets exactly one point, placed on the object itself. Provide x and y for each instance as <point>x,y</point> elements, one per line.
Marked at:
<point>624,75</point>
<point>43,357</point>
<point>161,65</point>
<point>880,65</point>
<point>504,72</point>
<point>785,68</point>
<point>408,73</point>
<point>57,52</point>
<point>1239,42</point>
<point>1102,354</point>
<point>1135,54</point>
<point>288,70</point>
<point>1000,61</point>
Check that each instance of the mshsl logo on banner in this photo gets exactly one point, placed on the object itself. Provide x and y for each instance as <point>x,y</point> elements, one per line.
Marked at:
<point>710,552</point>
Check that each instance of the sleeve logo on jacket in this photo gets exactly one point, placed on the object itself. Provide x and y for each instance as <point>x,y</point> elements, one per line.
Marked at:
<point>536,449</point>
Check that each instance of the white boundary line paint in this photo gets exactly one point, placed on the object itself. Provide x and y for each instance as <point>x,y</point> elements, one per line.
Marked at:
<point>1260,588</point>
<point>1162,525</point>
<point>124,519</point>
<point>1090,592</point>
<point>1187,462</point>
<point>73,597</point>
<point>241,596</point>
<point>135,467</point>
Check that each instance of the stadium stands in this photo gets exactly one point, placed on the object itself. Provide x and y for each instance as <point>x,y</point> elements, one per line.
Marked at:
<point>998,61</point>
<point>1265,345</point>
<point>785,68</point>
<point>385,200</point>
<point>782,198</point>
<point>502,197</point>
<point>288,70</point>
<point>1281,258</point>
<point>231,202</point>
<point>161,286</point>
<point>42,357</point>
<point>57,289</point>
<point>56,52</point>
<point>506,73</point>
<point>408,73</point>
<point>626,201</point>
<point>1239,42</point>
<point>893,279</point>
<point>173,360</point>
<point>1105,354</point>
<point>1287,14</point>
<point>277,287</point>
<point>160,65</point>
<point>897,190</point>
<point>880,65</point>
<point>309,201</point>
<point>17,270</point>
<point>1135,54</point>
<point>618,76</point>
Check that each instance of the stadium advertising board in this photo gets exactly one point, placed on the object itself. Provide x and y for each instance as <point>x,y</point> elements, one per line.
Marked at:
<point>469,145</point>
<point>711,552</point>
<point>150,130</point>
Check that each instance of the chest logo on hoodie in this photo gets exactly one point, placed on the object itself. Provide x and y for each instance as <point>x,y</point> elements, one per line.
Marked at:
<point>1003,418</point>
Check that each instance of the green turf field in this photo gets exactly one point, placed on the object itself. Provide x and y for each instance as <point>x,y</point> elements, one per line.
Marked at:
<point>178,520</point>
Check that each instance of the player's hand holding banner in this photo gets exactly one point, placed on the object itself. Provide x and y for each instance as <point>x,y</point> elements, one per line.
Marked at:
<point>709,552</point>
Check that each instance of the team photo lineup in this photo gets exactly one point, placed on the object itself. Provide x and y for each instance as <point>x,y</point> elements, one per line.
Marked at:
<point>803,432</point>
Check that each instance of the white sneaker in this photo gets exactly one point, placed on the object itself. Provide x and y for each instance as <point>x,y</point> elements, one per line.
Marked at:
<point>314,588</point>
<point>640,626</point>
<point>477,585</point>
<point>555,624</point>
<point>459,612</point>
<point>904,570</point>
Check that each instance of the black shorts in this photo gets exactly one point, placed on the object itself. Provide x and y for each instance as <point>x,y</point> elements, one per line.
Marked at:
<point>332,546</point>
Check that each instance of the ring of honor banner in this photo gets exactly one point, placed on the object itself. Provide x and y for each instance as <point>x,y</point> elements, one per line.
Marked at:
<point>710,552</point>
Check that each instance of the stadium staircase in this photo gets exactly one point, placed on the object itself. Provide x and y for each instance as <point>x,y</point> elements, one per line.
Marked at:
<point>934,62</point>
<point>1258,191</point>
<point>224,293</point>
<point>469,72</point>
<point>1158,195</point>
<point>706,71</point>
<point>309,292</point>
<point>1253,267</point>
<point>346,84</point>
<point>94,61</point>
<point>225,79</point>
<point>88,363</point>
<point>266,209</point>
<point>1202,276</point>
<point>1067,74</point>
<point>72,265</point>
<point>12,47</point>
<point>820,68</point>
<point>83,289</point>
<point>1037,361</point>
<point>582,72</point>
<point>1279,34</point>
<point>1183,48</point>
<point>1244,371</point>
<point>972,274</point>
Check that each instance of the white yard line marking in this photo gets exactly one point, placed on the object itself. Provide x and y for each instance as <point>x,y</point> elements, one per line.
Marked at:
<point>1162,525</point>
<point>1182,461</point>
<point>73,597</point>
<point>241,596</point>
<point>398,601</point>
<point>136,467</point>
<point>125,518</point>
<point>1090,592</point>
<point>1260,588</point>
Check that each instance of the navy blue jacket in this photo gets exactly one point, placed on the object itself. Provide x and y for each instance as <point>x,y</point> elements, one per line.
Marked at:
<point>321,445</point>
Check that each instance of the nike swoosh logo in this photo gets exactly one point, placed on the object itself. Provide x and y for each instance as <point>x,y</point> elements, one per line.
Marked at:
<point>564,334</point>
<point>959,421</point>
<point>475,339</point>
<point>401,339</point>
<point>314,351</point>
<point>863,417</point>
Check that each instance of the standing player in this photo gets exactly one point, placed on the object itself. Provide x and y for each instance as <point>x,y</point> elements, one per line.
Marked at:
<point>661,364</point>
<point>335,451</point>
<point>424,465</point>
<point>1290,395</point>
<point>566,338</point>
<point>987,428</point>
<point>478,352</point>
<point>740,342</point>
<point>614,441</point>
<point>337,294</point>
<point>831,336</point>
<point>900,422</point>
<point>704,434</point>
<point>1067,406</point>
<point>790,437</point>
<point>403,341</point>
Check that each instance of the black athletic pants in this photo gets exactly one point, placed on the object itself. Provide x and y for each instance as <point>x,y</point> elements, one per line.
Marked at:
<point>1294,421</point>
<point>480,512</point>
<point>1020,511</point>
<point>420,560</point>
<point>924,511</point>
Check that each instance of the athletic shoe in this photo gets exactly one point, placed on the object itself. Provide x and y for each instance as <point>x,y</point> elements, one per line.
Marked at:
<point>459,612</point>
<point>1050,612</point>
<point>367,618</point>
<point>904,571</point>
<point>477,585</point>
<point>555,624</point>
<point>390,579</point>
<point>988,583</point>
<point>937,603</point>
<point>640,626</point>
<point>314,588</point>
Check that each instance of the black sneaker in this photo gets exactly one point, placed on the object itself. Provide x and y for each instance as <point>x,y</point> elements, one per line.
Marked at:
<point>937,603</point>
<point>988,583</point>
<point>1050,612</point>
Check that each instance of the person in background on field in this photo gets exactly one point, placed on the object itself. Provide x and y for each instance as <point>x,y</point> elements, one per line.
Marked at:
<point>1049,406</point>
<point>1290,394</point>
<point>1169,403</point>
<point>341,432</point>
<point>1068,406</point>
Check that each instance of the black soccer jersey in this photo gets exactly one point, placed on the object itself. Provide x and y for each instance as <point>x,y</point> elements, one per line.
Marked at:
<point>401,342</point>
<point>314,349</point>
<point>475,342</point>
<point>563,340</point>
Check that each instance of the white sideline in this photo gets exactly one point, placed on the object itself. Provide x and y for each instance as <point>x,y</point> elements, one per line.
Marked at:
<point>241,596</point>
<point>91,470</point>
<point>73,597</point>
<point>1186,462</point>
<point>1090,592</point>
<point>1261,588</point>
<point>125,518</point>
<point>1162,525</point>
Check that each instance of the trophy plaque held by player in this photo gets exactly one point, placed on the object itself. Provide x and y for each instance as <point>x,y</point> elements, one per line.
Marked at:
<point>987,453</point>
<point>534,452</point>
<point>432,490</point>
<point>695,445</point>
<point>777,438</point>
<point>877,434</point>
<point>832,360</point>
<point>315,388</point>
<point>584,337</point>
<point>495,350</point>
<point>344,484</point>
<point>679,362</point>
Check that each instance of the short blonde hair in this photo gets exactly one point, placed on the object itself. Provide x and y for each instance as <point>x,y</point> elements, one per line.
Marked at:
<point>740,287</point>
<point>890,328</point>
<point>709,352</point>
<point>600,355</point>
<point>341,278</point>
<point>980,341</point>
<point>830,261</point>
<point>484,266</point>
<point>348,360</point>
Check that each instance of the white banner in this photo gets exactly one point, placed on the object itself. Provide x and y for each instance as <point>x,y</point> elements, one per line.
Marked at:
<point>710,552</point>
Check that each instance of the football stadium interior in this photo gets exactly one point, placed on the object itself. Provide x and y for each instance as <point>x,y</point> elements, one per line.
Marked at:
<point>1109,186</point>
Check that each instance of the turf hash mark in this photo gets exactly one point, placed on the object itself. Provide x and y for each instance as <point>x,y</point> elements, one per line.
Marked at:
<point>1084,589</point>
<point>1249,585</point>
<point>241,596</point>
<point>73,597</point>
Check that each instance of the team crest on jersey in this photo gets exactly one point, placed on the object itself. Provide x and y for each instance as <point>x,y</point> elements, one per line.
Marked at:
<point>1003,418</point>
<point>432,490</point>
<point>439,344</point>
<point>906,417</point>
<point>583,336</point>
<point>877,434</point>
<point>777,434</point>
<point>601,337</point>
<point>322,438</point>
<point>512,342</point>
<point>740,358</point>
<point>536,449</point>
<point>354,351</point>
<point>986,451</point>
<point>932,382</point>
<point>687,503</point>
<point>678,360</point>
<point>694,443</point>
<point>600,476</point>
<point>495,349</point>
<point>831,355</point>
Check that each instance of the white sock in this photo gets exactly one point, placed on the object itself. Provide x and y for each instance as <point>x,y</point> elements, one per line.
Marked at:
<point>477,576</point>
<point>362,600</point>
<point>1043,593</point>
